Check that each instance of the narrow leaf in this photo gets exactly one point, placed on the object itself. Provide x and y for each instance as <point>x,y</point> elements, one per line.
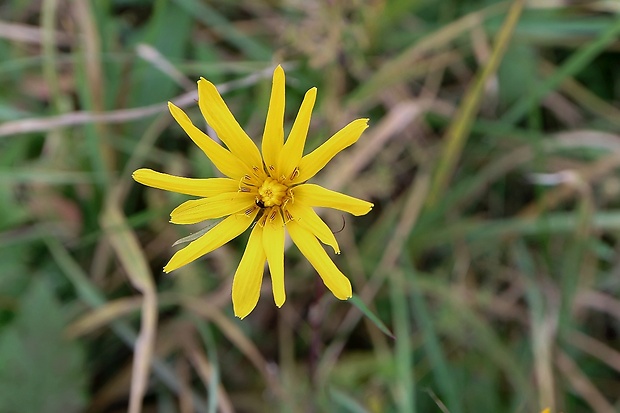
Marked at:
<point>356,301</point>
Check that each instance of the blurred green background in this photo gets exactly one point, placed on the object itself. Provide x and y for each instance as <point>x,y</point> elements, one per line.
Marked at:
<point>492,160</point>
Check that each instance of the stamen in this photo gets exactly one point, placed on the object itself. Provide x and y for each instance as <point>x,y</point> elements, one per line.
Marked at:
<point>247,177</point>
<point>263,220</point>
<point>244,189</point>
<point>295,173</point>
<point>249,211</point>
<point>272,168</point>
<point>273,215</point>
<point>288,216</point>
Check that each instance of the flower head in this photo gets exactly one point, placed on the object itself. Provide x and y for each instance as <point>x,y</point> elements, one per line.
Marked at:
<point>270,190</point>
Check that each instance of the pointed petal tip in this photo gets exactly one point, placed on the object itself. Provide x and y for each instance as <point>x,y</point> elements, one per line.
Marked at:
<point>202,83</point>
<point>168,268</point>
<point>344,295</point>
<point>172,108</point>
<point>242,311</point>
<point>279,294</point>
<point>364,211</point>
<point>311,96</point>
<point>361,123</point>
<point>171,265</point>
<point>240,316</point>
<point>176,111</point>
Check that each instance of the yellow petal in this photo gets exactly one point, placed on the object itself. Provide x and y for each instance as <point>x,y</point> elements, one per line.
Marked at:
<point>223,160</point>
<point>273,138</point>
<point>198,210</point>
<point>189,186</point>
<point>273,243</point>
<point>249,275</point>
<point>317,159</point>
<point>217,236</point>
<point>307,218</point>
<point>317,196</point>
<point>335,280</point>
<point>225,125</point>
<point>294,146</point>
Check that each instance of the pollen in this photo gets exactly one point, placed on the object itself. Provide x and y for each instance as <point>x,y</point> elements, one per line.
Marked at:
<point>272,193</point>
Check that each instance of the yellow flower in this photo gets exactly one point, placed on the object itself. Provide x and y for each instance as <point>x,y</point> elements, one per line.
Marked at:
<point>272,187</point>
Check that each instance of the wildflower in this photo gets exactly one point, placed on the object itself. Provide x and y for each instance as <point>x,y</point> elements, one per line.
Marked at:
<point>270,190</point>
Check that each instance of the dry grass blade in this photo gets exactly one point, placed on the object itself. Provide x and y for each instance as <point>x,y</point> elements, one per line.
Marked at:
<point>48,123</point>
<point>582,385</point>
<point>596,349</point>
<point>30,34</point>
<point>127,248</point>
<point>601,302</point>
<point>360,156</point>
<point>587,175</point>
<point>544,332</point>
<point>204,369</point>
<point>152,55</point>
<point>92,52</point>
<point>84,117</point>
<point>236,336</point>
<point>91,296</point>
<point>103,316</point>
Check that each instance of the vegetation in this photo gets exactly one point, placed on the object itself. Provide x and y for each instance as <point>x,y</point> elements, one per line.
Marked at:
<point>490,254</point>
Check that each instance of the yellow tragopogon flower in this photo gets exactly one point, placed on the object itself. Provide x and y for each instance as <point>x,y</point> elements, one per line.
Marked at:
<point>272,187</point>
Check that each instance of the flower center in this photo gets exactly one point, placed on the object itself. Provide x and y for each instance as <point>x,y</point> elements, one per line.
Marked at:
<point>272,193</point>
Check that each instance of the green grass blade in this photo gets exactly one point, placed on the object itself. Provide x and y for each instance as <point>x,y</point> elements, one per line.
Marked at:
<point>357,302</point>
<point>345,401</point>
<point>404,386</point>
<point>218,23</point>
<point>433,348</point>
<point>574,64</point>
